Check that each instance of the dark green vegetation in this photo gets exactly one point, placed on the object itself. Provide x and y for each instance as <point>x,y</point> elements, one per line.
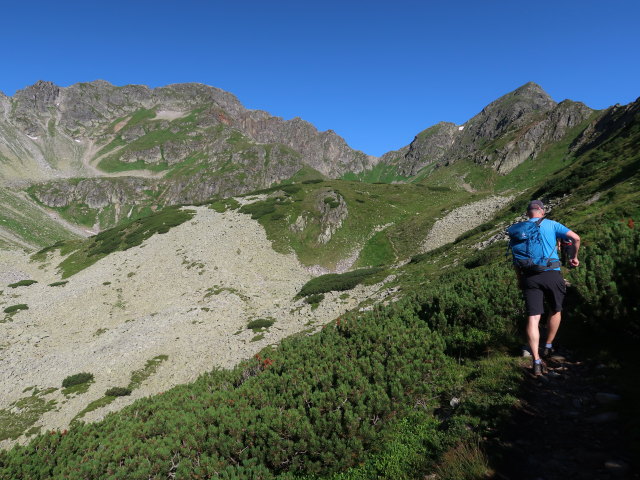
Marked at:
<point>260,324</point>
<point>118,392</point>
<point>81,254</point>
<point>59,284</point>
<point>16,308</point>
<point>337,282</point>
<point>77,379</point>
<point>372,394</point>
<point>22,283</point>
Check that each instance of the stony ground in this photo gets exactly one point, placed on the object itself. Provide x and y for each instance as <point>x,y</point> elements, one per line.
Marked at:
<point>462,219</point>
<point>187,294</point>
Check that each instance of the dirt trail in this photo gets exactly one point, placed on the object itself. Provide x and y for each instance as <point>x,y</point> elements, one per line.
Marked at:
<point>567,427</point>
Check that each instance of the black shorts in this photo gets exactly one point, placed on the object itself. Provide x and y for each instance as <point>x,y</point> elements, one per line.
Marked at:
<point>547,285</point>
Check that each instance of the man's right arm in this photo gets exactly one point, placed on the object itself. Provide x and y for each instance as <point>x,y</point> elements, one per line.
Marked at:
<point>575,238</point>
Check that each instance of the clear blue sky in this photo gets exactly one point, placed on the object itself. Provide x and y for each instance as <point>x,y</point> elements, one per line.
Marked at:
<point>376,72</point>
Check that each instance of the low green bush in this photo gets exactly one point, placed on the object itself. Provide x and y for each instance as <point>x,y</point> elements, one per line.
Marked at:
<point>16,308</point>
<point>118,392</point>
<point>259,209</point>
<point>260,324</point>
<point>59,284</point>
<point>315,298</point>
<point>336,282</point>
<point>22,283</point>
<point>332,202</point>
<point>77,379</point>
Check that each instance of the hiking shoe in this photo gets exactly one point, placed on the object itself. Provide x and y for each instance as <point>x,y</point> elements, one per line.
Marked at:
<point>548,352</point>
<point>537,369</point>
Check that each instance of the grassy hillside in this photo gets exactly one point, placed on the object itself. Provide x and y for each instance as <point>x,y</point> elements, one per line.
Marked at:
<point>401,390</point>
<point>22,224</point>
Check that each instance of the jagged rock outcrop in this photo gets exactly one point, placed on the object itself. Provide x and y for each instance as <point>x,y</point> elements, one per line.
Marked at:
<point>95,192</point>
<point>334,211</point>
<point>615,119</point>
<point>429,146</point>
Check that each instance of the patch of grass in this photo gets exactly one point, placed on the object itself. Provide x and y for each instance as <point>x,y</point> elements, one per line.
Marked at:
<point>465,461</point>
<point>260,324</point>
<point>332,202</point>
<point>139,376</point>
<point>59,284</point>
<point>381,173</point>
<point>225,204</point>
<point>23,413</point>
<point>100,331</point>
<point>16,308</point>
<point>122,238</point>
<point>95,405</point>
<point>77,384</point>
<point>377,251</point>
<point>22,283</point>
<point>257,338</point>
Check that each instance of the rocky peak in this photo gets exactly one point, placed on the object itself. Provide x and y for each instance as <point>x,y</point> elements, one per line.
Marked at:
<point>508,112</point>
<point>510,130</point>
<point>38,96</point>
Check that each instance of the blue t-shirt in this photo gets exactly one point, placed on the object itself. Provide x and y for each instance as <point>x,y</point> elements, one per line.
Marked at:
<point>551,231</point>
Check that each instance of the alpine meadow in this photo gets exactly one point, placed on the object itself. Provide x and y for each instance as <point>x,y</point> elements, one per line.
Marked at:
<point>193,289</point>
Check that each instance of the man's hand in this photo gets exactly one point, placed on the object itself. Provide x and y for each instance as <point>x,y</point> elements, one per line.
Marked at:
<point>574,262</point>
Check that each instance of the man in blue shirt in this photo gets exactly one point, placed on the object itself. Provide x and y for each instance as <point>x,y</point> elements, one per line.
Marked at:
<point>548,284</point>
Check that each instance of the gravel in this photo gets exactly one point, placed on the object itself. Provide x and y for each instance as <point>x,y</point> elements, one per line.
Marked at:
<point>188,294</point>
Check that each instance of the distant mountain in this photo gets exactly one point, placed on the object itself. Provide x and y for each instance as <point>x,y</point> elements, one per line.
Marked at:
<point>512,129</point>
<point>187,130</point>
<point>98,154</point>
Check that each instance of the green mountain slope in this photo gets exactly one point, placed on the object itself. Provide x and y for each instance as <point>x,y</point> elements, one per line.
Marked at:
<point>373,392</point>
<point>24,225</point>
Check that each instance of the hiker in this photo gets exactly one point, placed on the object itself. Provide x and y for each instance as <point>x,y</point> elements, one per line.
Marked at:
<point>533,244</point>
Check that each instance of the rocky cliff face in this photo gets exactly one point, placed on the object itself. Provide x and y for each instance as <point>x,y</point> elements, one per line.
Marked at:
<point>508,131</point>
<point>200,139</point>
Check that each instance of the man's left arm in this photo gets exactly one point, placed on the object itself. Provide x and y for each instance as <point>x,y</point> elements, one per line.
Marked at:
<point>575,238</point>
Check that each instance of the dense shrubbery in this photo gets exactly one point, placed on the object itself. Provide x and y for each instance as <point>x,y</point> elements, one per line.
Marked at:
<point>133,234</point>
<point>315,405</point>
<point>260,324</point>
<point>324,403</point>
<point>336,282</point>
<point>118,392</point>
<point>259,209</point>
<point>607,281</point>
<point>77,379</point>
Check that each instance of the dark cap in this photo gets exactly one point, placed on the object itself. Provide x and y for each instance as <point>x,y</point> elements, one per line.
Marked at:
<point>535,204</point>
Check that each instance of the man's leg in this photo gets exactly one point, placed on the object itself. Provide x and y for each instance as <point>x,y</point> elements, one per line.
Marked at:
<point>533,334</point>
<point>553,326</point>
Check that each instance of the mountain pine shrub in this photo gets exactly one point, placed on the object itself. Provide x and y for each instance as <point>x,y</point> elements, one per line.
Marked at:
<point>77,379</point>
